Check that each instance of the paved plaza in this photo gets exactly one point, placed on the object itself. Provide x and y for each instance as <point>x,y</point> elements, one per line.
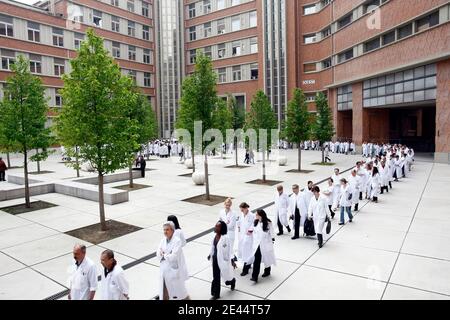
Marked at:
<point>398,248</point>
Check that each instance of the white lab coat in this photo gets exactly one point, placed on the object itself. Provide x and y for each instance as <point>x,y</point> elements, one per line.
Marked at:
<point>263,240</point>
<point>83,280</point>
<point>114,286</point>
<point>180,235</point>
<point>398,167</point>
<point>223,257</point>
<point>328,194</point>
<point>375,184</point>
<point>318,211</point>
<point>346,191</point>
<point>245,243</point>
<point>230,219</point>
<point>384,174</point>
<point>354,183</point>
<point>299,200</point>
<point>336,189</point>
<point>173,269</point>
<point>281,207</point>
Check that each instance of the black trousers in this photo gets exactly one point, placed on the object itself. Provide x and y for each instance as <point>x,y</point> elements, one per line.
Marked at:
<point>331,211</point>
<point>2,175</point>
<point>297,218</point>
<point>280,226</point>
<point>320,239</point>
<point>215,285</point>
<point>143,173</point>
<point>257,265</point>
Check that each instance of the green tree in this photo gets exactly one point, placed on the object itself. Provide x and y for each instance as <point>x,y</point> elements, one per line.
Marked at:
<point>323,129</point>
<point>298,128</point>
<point>197,103</point>
<point>237,122</point>
<point>6,146</point>
<point>222,118</point>
<point>262,117</point>
<point>96,96</point>
<point>24,112</point>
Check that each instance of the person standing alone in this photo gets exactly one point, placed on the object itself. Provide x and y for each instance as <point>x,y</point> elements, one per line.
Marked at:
<point>3,169</point>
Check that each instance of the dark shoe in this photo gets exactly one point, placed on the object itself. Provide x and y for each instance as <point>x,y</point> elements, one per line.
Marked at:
<point>233,284</point>
<point>341,223</point>
<point>295,237</point>
<point>265,274</point>
<point>288,229</point>
<point>350,220</point>
<point>244,273</point>
<point>254,279</point>
<point>332,216</point>
<point>279,233</point>
<point>214,298</point>
<point>320,245</point>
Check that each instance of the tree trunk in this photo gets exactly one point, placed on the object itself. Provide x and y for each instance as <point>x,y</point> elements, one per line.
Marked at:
<point>8,160</point>
<point>77,162</point>
<point>130,172</point>
<point>236,151</point>
<point>323,155</point>
<point>193,159</point>
<point>299,159</point>
<point>264,165</point>
<point>25,173</point>
<point>38,163</point>
<point>101,202</point>
<point>206,177</point>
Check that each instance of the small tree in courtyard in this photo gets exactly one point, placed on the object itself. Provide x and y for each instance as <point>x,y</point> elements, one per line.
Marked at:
<point>323,129</point>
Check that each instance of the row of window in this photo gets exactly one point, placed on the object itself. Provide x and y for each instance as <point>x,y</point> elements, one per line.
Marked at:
<point>227,50</point>
<point>221,26</point>
<point>132,6</point>
<point>207,6</point>
<point>238,73</point>
<point>58,66</point>
<point>315,7</point>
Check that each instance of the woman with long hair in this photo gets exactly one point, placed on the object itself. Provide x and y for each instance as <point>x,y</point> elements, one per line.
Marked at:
<point>178,232</point>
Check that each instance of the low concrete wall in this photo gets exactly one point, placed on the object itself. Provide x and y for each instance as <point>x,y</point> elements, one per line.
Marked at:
<point>19,192</point>
<point>90,192</point>
<point>20,180</point>
<point>110,178</point>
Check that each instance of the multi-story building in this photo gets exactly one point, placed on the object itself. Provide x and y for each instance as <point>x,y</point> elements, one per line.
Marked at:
<point>385,65</point>
<point>49,32</point>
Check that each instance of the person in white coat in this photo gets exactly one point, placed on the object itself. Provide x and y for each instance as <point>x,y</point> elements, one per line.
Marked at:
<point>172,266</point>
<point>228,216</point>
<point>345,201</point>
<point>328,194</point>
<point>114,285</point>
<point>83,281</point>
<point>398,164</point>
<point>281,207</point>
<point>318,212</point>
<point>383,169</point>
<point>375,184</point>
<point>337,188</point>
<point>355,182</point>
<point>178,232</point>
<point>222,262</point>
<point>263,245</point>
<point>245,233</point>
<point>297,206</point>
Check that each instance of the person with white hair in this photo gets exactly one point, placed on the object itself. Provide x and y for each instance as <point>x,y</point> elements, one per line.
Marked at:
<point>228,216</point>
<point>83,281</point>
<point>173,269</point>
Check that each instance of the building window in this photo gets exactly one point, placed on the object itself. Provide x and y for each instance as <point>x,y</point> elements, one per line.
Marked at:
<point>35,63</point>
<point>254,71</point>
<point>326,32</point>
<point>78,38</point>
<point>145,9</point>
<point>326,63</point>
<point>310,38</point>
<point>147,56</point>
<point>131,29</point>
<point>146,32</point>
<point>347,55</point>
<point>97,18</point>
<point>206,6</point>
<point>130,5</point>
<point>115,24</point>
<point>147,79</point>
<point>345,21</point>
<point>236,23</point>
<point>236,48</point>
<point>221,26</point>
<point>222,72</point>
<point>6,26</point>
<point>8,59</point>
<point>192,56</point>
<point>310,97</point>
<point>309,67</point>
<point>427,22</point>
<point>58,37</point>
<point>58,66</point>
<point>235,2</point>
<point>58,99</point>
<point>34,32</point>
<point>207,52</point>
<point>388,38</point>
<point>345,98</point>
<point>192,12</point>
<point>405,31</point>
<point>132,75</point>
<point>221,51</point>
<point>207,31</point>
<point>309,9</point>
<point>253,45</point>
<point>132,53</point>
<point>253,19</point>
<point>372,45</point>
<point>220,4</point>
<point>192,33</point>
<point>116,49</point>
<point>237,73</point>
<point>371,5</point>
<point>115,3</point>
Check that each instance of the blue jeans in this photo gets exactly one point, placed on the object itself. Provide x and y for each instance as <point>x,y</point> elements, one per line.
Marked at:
<point>349,213</point>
